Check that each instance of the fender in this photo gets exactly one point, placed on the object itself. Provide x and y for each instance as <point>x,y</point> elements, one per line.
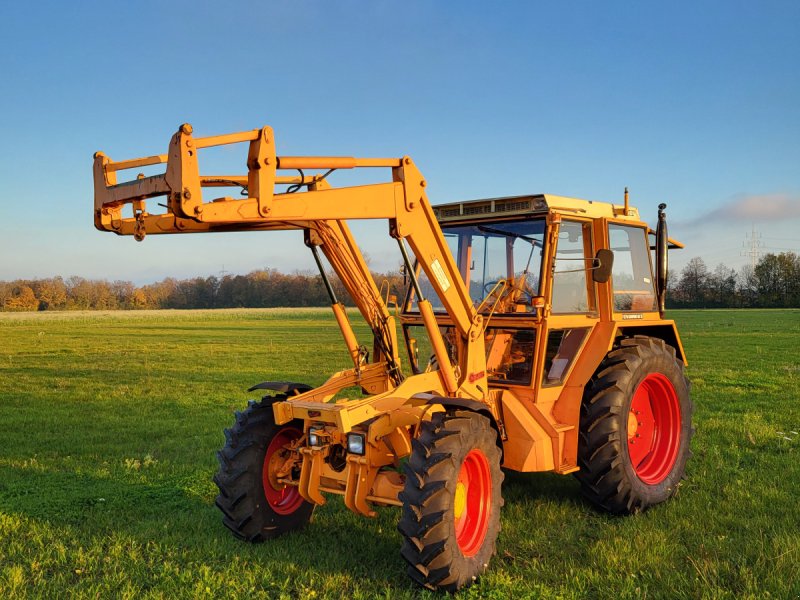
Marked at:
<point>665,330</point>
<point>281,387</point>
<point>472,405</point>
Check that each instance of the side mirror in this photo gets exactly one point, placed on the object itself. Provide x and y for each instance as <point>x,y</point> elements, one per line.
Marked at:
<point>603,262</point>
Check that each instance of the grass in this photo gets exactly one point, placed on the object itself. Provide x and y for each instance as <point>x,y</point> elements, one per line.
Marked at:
<point>109,424</point>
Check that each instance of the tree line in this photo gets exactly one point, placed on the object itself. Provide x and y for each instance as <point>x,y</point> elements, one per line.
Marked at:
<point>259,289</point>
<point>773,283</point>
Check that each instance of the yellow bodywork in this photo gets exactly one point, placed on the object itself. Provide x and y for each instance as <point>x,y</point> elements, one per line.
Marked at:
<point>538,425</point>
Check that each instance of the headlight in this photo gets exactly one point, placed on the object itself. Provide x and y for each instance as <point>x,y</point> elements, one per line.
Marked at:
<point>313,436</point>
<point>355,443</point>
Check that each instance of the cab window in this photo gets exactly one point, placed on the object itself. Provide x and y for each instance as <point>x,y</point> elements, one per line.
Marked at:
<point>631,275</point>
<point>571,289</point>
<point>500,263</point>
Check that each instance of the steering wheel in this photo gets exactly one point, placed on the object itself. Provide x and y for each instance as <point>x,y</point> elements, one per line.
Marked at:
<point>489,286</point>
<point>525,295</point>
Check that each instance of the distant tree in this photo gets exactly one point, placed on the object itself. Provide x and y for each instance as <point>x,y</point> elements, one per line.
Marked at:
<point>139,299</point>
<point>793,277</point>
<point>776,278</point>
<point>5,293</point>
<point>51,293</point>
<point>721,286</point>
<point>158,294</point>
<point>22,298</point>
<point>692,289</point>
<point>235,290</point>
<point>747,287</point>
<point>84,294</point>
<point>79,293</point>
<point>123,293</point>
<point>672,281</point>
<point>672,285</point>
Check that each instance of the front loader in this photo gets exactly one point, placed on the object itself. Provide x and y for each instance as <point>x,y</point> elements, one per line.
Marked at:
<point>533,340</point>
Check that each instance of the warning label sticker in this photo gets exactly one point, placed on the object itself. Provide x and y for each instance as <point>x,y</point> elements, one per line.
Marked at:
<point>438,271</point>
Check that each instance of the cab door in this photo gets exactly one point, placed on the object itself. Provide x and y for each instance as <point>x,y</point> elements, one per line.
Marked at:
<point>572,308</point>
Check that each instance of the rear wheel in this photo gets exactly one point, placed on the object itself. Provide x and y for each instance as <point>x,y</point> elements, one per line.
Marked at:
<point>451,501</point>
<point>635,427</point>
<point>254,503</point>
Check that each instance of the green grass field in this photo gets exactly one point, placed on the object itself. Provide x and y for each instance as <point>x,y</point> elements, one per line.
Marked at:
<point>109,424</point>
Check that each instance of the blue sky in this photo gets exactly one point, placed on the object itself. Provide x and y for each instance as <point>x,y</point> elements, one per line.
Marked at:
<point>693,104</point>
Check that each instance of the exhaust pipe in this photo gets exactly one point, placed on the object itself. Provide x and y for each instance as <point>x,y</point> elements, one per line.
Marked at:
<point>661,257</point>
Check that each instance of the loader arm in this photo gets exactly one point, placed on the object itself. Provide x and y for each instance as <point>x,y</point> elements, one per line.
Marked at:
<point>339,247</point>
<point>309,203</point>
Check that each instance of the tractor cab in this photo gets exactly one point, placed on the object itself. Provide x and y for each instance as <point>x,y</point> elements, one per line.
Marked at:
<point>543,271</point>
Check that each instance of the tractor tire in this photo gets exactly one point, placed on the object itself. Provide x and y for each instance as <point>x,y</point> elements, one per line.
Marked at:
<point>635,427</point>
<point>253,508</point>
<point>451,501</point>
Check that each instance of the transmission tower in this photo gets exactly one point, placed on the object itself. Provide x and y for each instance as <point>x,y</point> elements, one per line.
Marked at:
<point>752,247</point>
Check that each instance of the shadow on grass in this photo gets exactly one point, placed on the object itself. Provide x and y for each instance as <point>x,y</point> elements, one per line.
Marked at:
<point>93,513</point>
<point>164,512</point>
<point>547,487</point>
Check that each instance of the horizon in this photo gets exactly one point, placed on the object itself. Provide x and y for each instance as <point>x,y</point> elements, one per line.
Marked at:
<point>313,271</point>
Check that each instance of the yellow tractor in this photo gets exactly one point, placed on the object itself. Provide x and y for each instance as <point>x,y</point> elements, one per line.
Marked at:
<point>532,338</point>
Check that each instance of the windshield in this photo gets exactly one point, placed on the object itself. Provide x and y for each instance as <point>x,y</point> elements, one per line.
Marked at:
<point>499,262</point>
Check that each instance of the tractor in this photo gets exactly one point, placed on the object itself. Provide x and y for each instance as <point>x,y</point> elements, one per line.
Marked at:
<point>531,337</point>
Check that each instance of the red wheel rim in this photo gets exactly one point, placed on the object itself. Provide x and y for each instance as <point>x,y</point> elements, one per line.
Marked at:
<point>472,502</point>
<point>654,428</point>
<point>283,499</point>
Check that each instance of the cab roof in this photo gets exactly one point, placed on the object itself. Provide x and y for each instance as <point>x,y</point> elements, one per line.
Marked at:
<point>535,204</point>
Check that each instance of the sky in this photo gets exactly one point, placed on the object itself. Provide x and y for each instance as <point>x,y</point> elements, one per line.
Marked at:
<point>695,104</point>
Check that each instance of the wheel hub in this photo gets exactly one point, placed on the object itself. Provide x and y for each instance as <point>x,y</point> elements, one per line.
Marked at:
<point>654,428</point>
<point>633,425</point>
<point>460,501</point>
<point>283,499</point>
<point>275,469</point>
<point>472,502</point>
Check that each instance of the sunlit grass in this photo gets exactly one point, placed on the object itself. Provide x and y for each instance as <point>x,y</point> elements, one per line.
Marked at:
<point>109,425</point>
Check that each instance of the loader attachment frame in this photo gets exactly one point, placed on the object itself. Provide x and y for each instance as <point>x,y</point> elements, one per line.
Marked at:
<point>310,203</point>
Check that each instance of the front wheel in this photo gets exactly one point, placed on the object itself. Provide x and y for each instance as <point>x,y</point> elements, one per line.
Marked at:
<point>451,501</point>
<point>635,428</point>
<point>257,455</point>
